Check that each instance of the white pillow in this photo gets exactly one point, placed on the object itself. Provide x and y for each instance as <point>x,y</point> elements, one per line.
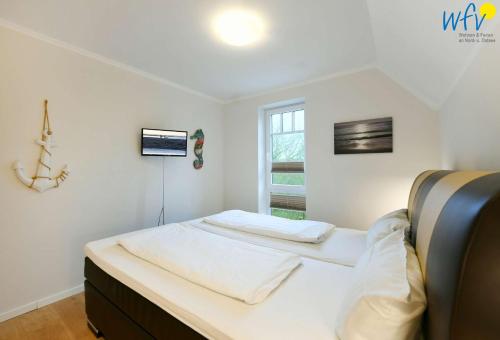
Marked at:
<point>401,213</point>
<point>386,224</point>
<point>386,298</point>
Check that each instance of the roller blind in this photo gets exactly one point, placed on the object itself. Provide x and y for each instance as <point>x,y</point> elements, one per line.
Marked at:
<point>287,167</point>
<point>290,202</point>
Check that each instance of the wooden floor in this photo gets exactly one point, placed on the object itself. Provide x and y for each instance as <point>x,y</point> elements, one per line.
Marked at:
<point>64,319</point>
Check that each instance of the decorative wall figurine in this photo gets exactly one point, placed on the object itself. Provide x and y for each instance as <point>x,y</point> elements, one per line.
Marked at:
<point>198,148</point>
<point>363,136</point>
<point>42,180</point>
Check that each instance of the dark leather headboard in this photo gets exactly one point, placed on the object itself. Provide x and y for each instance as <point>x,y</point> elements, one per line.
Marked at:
<point>455,218</point>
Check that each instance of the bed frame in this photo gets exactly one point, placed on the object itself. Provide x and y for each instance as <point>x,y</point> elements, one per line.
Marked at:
<point>455,218</point>
<point>118,312</point>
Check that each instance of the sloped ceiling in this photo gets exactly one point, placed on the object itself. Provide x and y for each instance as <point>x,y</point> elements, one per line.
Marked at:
<point>413,49</point>
<point>172,39</point>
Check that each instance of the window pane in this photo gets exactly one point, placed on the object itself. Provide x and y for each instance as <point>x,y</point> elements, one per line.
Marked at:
<point>287,121</point>
<point>291,214</point>
<point>288,179</point>
<point>289,147</point>
<point>276,123</point>
<point>299,120</point>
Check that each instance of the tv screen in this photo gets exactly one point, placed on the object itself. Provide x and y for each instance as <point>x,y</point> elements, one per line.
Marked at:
<point>164,143</point>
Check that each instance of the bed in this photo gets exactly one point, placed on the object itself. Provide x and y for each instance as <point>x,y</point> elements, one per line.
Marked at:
<point>455,218</point>
<point>216,316</point>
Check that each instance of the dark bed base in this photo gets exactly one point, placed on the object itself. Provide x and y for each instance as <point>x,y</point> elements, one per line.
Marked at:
<point>118,312</point>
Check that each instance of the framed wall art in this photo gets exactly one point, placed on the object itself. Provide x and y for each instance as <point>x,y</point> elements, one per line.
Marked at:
<point>364,136</point>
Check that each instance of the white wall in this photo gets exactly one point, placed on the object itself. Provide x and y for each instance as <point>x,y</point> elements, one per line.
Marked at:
<point>97,111</point>
<point>470,118</point>
<point>348,190</point>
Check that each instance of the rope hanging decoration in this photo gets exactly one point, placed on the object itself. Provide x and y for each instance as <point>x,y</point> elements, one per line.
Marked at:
<point>42,180</point>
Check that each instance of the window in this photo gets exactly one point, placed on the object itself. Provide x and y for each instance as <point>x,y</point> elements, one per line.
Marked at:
<point>285,152</point>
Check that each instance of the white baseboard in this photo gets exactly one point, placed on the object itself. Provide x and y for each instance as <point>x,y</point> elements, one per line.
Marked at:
<point>40,303</point>
<point>18,311</point>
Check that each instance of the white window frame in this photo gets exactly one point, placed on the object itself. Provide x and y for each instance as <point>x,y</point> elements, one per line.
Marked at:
<point>280,188</point>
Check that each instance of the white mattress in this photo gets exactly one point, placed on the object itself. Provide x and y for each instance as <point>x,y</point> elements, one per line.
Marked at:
<point>303,307</point>
<point>343,246</point>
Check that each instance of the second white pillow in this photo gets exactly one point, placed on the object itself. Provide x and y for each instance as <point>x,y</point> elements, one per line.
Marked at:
<point>386,298</point>
<point>387,224</point>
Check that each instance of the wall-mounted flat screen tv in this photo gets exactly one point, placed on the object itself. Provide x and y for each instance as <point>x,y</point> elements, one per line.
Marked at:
<point>164,143</point>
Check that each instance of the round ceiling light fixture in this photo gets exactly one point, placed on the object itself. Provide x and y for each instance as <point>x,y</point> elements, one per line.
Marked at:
<point>239,27</point>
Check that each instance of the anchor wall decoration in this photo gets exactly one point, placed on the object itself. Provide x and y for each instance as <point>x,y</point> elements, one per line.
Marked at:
<point>42,180</point>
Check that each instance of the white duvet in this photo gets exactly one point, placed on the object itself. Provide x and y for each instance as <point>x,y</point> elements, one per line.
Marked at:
<point>342,246</point>
<point>237,269</point>
<point>272,226</point>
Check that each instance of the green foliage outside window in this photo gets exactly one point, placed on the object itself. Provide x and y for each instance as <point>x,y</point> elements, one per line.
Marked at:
<point>291,214</point>
<point>288,147</point>
<point>288,179</point>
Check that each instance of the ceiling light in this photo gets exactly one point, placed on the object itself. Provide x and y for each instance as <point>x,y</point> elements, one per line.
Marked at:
<point>238,27</point>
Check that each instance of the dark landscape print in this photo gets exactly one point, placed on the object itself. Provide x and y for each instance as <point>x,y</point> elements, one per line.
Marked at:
<point>363,136</point>
<point>164,143</point>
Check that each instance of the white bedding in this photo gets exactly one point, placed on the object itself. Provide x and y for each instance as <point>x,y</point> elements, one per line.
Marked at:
<point>304,307</point>
<point>271,226</point>
<point>342,246</point>
<point>234,268</point>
